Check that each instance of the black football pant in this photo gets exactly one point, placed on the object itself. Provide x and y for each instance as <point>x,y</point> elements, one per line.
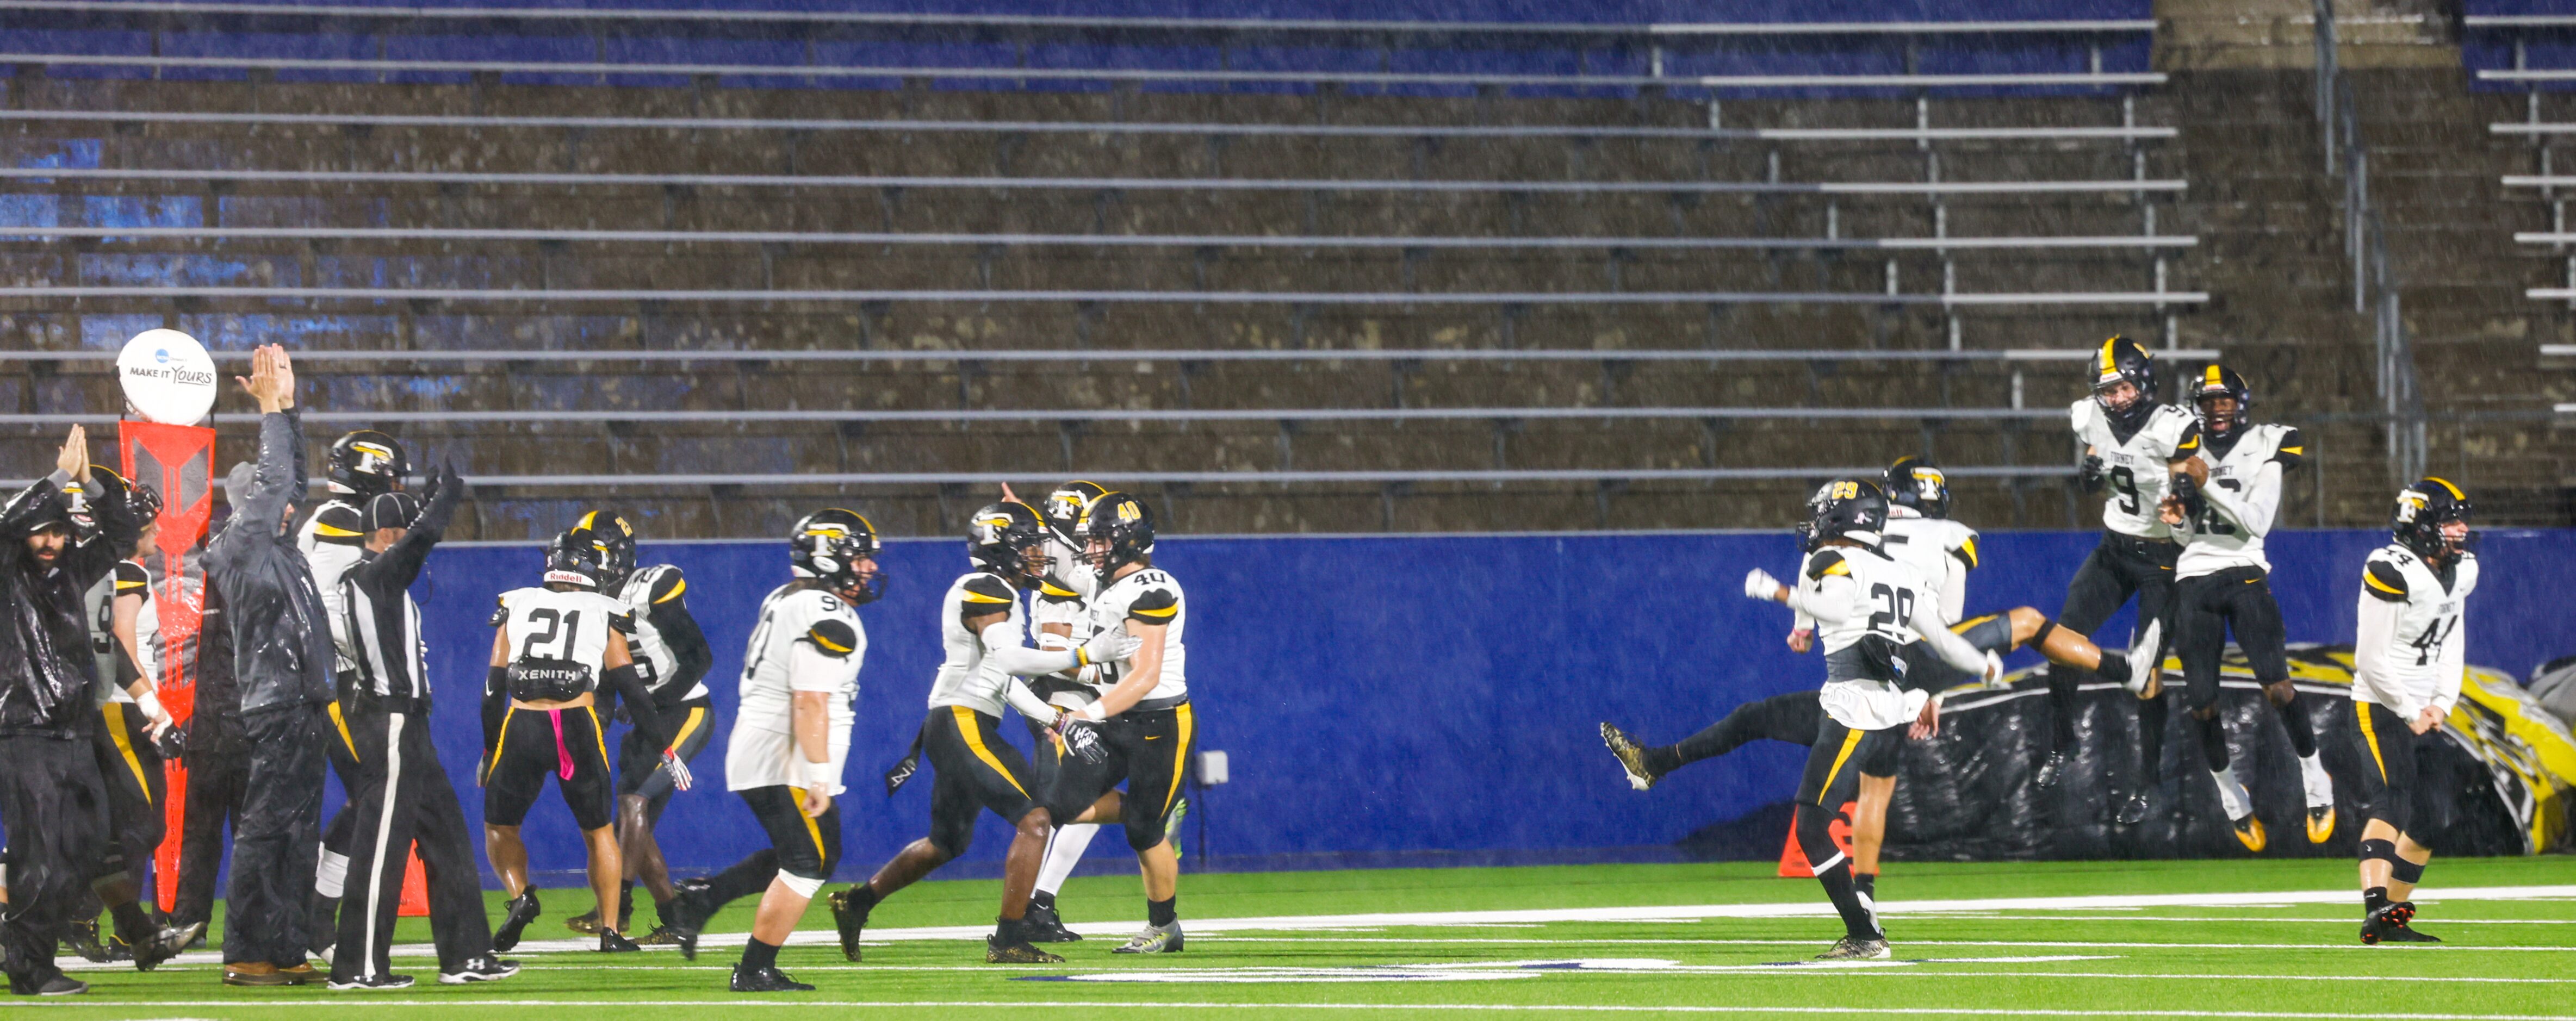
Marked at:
<point>403,795</point>
<point>215,797</point>
<point>2206,609</point>
<point>1791,717</point>
<point>56,808</point>
<point>2120,567</point>
<point>279,831</point>
<point>130,768</point>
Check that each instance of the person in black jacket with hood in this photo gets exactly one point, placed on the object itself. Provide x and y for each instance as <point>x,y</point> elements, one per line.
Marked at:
<point>51,549</point>
<point>282,672</point>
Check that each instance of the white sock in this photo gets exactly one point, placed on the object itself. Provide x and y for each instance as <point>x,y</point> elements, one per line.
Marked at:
<point>1063,853</point>
<point>332,875</point>
<point>2231,793</point>
<point>2315,782</point>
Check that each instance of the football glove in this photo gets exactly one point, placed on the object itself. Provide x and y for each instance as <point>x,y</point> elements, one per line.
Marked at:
<point>1080,738</point>
<point>1759,584</point>
<point>1108,645</point>
<point>2090,473</point>
<point>678,768</point>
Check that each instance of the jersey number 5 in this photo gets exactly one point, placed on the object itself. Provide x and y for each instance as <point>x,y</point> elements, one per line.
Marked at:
<point>563,626</point>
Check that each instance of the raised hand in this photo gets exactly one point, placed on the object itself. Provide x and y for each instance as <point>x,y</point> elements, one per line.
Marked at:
<point>73,459</point>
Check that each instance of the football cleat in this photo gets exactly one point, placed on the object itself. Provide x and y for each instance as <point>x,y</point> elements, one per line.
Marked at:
<point>81,938</point>
<point>2321,823</point>
<point>848,920</point>
<point>481,969</point>
<point>1631,757</point>
<point>2389,925</point>
<point>1849,949</point>
<point>2249,832</point>
<point>2144,655</point>
<point>1156,939</point>
<point>686,916</point>
<point>612,941</point>
<point>58,984</point>
<point>585,923</point>
<point>1044,926</point>
<point>2051,770</point>
<point>371,982</point>
<point>166,944</point>
<point>517,913</point>
<point>765,980</point>
<point>1015,952</point>
<point>661,936</point>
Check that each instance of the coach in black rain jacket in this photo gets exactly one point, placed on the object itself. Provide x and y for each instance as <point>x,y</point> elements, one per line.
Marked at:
<point>282,673</point>
<point>50,790</point>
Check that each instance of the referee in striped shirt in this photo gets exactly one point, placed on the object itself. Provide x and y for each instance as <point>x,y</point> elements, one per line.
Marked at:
<point>402,791</point>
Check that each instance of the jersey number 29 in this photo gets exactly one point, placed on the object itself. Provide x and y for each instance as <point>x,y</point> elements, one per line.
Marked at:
<point>1896,608</point>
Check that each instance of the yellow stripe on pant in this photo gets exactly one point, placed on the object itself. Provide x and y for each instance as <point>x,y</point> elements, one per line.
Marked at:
<point>342,722</point>
<point>975,743</point>
<point>2370,736</point>
<point>1180,754</point>
<point>1851,740</point>
<point>115,713</point>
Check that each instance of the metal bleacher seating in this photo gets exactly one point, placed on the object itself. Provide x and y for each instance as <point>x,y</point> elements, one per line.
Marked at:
<point>1288,273</point>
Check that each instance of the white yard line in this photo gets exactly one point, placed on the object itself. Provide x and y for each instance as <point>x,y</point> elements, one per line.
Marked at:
<point>346,1003</point>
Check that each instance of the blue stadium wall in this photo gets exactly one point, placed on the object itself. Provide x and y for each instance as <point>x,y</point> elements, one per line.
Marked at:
<point>1406,700</point>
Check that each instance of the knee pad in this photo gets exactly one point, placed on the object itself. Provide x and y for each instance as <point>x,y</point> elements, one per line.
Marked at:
<point>805,887</point>
<point>1815,828</point>
<point>2404,871</point>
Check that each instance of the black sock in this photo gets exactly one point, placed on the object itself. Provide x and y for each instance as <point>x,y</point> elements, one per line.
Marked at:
<point>2151,742</point>
<point>757,955</point>
<point>864,898</point>
<point>1866,883</point>
<point>2303,734</point>
<point>2061,708</point>
<point>2374,899</point>
<point>1840,889</point>
<point>2113,667</point>
<point>743,878</point>
<point>1009,930</point>
<point>1042,900</point>
<point>1162,912</point>
<point>2213,741</point>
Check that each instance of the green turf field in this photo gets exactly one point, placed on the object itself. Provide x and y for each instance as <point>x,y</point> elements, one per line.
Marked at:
<point>2255,939</point>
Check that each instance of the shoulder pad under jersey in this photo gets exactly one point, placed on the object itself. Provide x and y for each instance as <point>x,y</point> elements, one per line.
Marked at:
<point>1155,605</point>
<point>2383,580</point>
<point>1826,562</point>
<point>986,593</point>
<point>663,583</point>
<point>339,524</point>
<point>831,636</point>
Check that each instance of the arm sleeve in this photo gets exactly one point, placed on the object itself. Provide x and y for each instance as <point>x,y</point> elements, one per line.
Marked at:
<point>1954,650</point>
<point>1002,648</point>
<point>1827,599</point>
<point>2375,627</point>
<point>1028,702</point>
<point>639,704</point>
<point>688,644</point>
<point>2252,508</point>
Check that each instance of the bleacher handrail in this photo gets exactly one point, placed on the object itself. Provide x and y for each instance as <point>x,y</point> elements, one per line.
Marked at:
<point>1158,355</point>
<point>1319,298</point>
<point>1112,240</point>
<point>2072,26</point>
<point>1105,74</point>
<point>2114,133</point>
<point>999,183</point>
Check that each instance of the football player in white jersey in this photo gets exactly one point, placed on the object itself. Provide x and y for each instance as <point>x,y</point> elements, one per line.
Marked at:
<point>1867,609</point>
<point>985,635</point>
<point>2131,443</point>
<point>554,648</point>
<point>2408,654</point>
<point>1061,617</point>
<point>1143,715</point>
<point>2222,505</point>
<point>125,642</point>
<point>791,736</point>
<point>1920,536</point>
<point>671,657</point>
